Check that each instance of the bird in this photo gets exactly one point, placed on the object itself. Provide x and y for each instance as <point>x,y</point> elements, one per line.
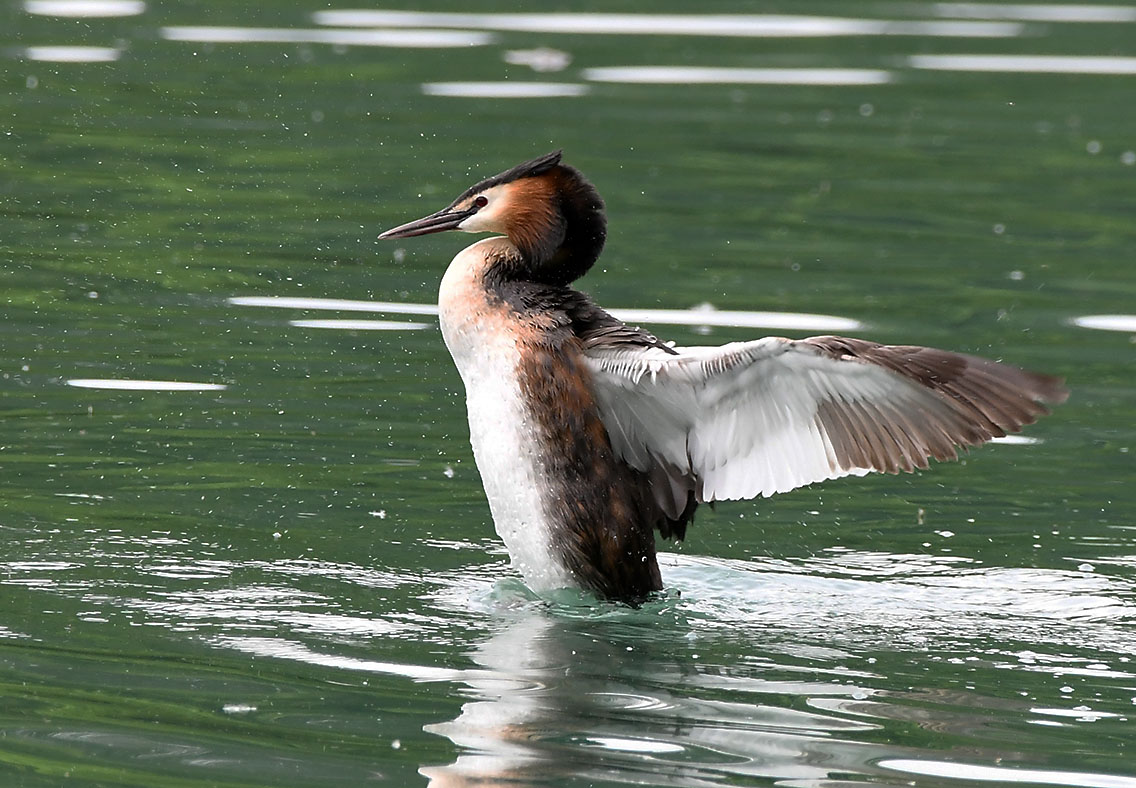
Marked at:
<point>590,434</point>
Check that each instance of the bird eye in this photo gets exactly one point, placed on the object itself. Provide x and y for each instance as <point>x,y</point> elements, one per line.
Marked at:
<point>480,201</point>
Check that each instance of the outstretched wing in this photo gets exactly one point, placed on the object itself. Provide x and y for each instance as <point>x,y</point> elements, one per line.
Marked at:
<point>764,417</point>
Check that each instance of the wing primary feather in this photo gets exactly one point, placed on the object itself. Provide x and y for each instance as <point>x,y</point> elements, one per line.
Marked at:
<point>757,418</point>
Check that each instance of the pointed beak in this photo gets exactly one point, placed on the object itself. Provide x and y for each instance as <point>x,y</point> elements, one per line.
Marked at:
<point>445,219</point>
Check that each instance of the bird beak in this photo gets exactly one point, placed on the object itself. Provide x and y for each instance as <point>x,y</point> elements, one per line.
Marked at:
<point>445,219</point>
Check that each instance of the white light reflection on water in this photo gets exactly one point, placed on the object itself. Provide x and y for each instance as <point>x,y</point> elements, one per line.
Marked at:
<point>504,89</point>
<point>697,75</point>
<point>1004,775</point>
<point>143,385</point>
<point>39,566</point>
<point>541,688</point>
<point>252,608</point>
<point>335,304</point>
<point>726,25</point>
<point>855,599</point>
<point>90,9</point>
<point>509,733</point>
<point>575,688</point>
<point>361,325</point>
<point>411,39</point>
<point>1036,13</point>
<point>1026,64</point>
<point>280,648</point>
<point>633,745</point>
<point>703,315</point>
<point>540,59</point>
<point>1082,713</point>
<point>73,54</point>
<point>1124,323</point>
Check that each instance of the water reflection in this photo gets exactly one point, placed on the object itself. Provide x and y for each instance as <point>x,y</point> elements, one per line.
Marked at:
<point>1005,775</point>
<point>707,315</point>
<point>606,695</point>
<point>790,670</point>
<point>1027,64</point>
<point>421,39</point>
<point>759,670</point>
<point>73,54</point>
<point>361,325</point>
<point>1016,440</point>
<point>337,304</point>
<point>908,601</point>
<point>701,316</point>
<point>726,25</point>
<point>695,75</point>
<point>278,648</point>
<point>121,384</point>
<point>1124,323</point>
<point>504,89</point>
<point>85,8</point>
<point>1049,12</point>
<point>603,700</point>
<point>541,59</point>
<point>1081,713</point>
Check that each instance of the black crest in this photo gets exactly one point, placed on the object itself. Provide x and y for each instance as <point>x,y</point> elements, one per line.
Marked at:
<point>529,169</point>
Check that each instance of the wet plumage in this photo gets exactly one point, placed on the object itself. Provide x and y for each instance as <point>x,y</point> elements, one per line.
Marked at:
<point>590,435</point>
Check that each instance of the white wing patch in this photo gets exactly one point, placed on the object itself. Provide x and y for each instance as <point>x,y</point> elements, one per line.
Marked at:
<point>757,418</point>
<point>736,418</point>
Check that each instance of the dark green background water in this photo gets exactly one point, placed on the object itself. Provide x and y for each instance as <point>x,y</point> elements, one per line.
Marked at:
<point>295,580</point>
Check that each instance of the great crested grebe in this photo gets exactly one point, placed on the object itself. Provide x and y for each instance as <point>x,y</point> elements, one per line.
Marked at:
<point>590,434</point>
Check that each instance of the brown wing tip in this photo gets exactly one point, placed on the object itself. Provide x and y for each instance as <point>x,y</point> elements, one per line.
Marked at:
<point>1002,398</point>
<point>1051,389</point>
<point>976,399</point>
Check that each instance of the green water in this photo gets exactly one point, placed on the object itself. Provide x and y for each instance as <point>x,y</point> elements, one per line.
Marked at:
<point>294,580</point>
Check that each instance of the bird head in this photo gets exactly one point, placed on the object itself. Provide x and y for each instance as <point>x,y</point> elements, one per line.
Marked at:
<point>548,210</point>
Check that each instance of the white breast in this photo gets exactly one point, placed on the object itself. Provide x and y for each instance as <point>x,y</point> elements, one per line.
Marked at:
<point>480,335</point>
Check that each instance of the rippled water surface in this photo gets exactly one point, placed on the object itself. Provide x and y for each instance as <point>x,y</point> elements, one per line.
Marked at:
<point>243,539</point>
